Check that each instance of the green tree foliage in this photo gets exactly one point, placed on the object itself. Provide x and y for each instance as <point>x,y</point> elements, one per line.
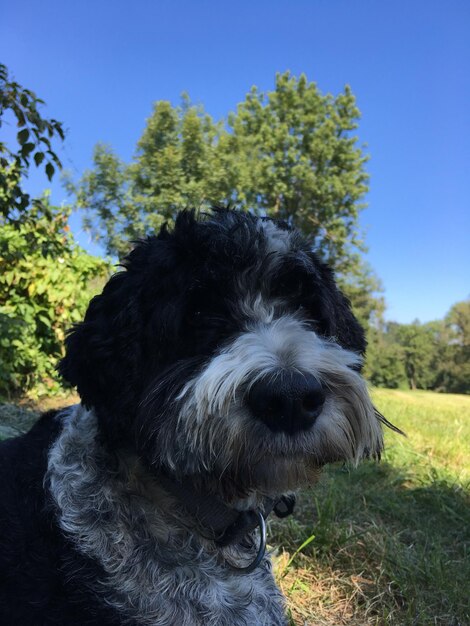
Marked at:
<point>363,288</point>
<point>46,281</point>
<point>433,356</point>
<point>384,365</point>
<point>34,137</point>
<point>454,370</point>
<point>418,348</point>
<point>294,156</point>
<point>175,166</point>
<point>290,153</point>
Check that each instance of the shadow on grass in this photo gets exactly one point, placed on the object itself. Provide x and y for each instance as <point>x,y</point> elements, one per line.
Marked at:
<point>406,535</point>
<point>15,419</point>
<point>18,415</point>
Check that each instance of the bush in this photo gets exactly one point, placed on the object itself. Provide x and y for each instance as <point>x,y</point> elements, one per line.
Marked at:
<point>46,281</point>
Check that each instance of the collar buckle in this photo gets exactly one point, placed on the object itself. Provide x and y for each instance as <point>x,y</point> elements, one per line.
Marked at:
<point>261,549</point>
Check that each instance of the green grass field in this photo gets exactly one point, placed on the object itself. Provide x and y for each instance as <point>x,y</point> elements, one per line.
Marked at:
<point>387,543</point>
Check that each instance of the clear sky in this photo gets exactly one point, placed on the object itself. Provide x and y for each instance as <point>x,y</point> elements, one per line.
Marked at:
<point>100,64</point>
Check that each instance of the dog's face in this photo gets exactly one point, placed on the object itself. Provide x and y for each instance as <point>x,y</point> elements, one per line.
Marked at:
<point>225,352</point>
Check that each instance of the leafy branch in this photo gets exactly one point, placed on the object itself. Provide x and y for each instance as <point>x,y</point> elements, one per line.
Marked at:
<point>34,136</point>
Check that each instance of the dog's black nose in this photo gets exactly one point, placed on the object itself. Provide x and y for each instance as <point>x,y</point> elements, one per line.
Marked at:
<point>287,401</point>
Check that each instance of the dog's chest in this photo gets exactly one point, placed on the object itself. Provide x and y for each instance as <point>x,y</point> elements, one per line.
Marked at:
<point>199,593</point>
<point>154,573</point>
<point>174,584</point>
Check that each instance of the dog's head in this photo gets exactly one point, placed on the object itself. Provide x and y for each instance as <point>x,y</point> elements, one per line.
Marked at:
<point>225,352</point>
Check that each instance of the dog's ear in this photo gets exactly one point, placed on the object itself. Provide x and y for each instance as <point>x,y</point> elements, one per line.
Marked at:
<point>103,352</point>
<point>348,331</point>
<point>343,325</point>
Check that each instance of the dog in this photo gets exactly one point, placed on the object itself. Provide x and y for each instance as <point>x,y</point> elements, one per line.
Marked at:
<point>218,372</point>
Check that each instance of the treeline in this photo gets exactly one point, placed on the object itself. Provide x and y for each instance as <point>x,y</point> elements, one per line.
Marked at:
<point>289,153</point>
<point>432,356</point>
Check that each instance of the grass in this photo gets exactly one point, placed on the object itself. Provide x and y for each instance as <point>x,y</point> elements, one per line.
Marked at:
<point>18,417</point>
<point>391,541</point>
<point>385,544</point>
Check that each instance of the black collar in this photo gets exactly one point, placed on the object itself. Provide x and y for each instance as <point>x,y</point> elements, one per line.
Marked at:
<point>220,523</point>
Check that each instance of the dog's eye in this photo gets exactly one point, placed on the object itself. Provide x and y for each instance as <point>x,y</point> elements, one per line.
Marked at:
<point>286,286</point>
<point>292,281</point>
<point>194,318</point>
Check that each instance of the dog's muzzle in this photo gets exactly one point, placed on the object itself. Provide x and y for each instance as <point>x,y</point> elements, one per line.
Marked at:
<point>289,401</point>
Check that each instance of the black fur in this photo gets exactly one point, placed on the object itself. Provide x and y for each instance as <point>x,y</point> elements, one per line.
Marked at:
<point>43,580</point>
<point>164,315</point>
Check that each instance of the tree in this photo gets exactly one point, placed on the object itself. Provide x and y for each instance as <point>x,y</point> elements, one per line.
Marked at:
<point>434,356</point>
<point>458,322</point>
<point>290,153</point>
<point>293,155</point>
<point>34,140</point>
<point>363,289</point>
<point>418,344</point>
<point>175,166</point>
<point>384,365</point>
<point>454,361</point>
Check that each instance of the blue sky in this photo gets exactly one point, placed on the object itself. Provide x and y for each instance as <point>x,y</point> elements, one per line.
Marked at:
<point>99,66</point>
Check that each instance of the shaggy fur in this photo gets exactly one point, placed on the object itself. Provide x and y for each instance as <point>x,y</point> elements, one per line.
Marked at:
<point>222,358</point>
